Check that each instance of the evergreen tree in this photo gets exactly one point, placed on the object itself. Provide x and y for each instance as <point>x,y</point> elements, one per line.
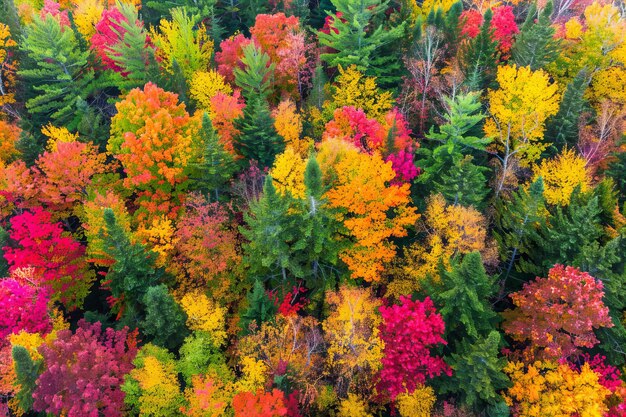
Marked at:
<point>165,319</point>
<point>478,60</point>
<point>4,265</point>
<point>535,45</point>
<point>357,37</point>
<point>256,76</point>
<point>260,307</point>
<point>616,171</point>
<point>477,375</point>
<point>217,165</point>
<point>272,233</point>
<point>26,371</point>
<point>448,167</point>
<point>462,298</point>
<point>58,71</point>
<point>562,129</point>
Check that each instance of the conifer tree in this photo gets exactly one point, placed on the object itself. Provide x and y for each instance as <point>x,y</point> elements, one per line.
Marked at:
<point>478,59</point>
<point>535,45</point>
<point>260,307</point>
<point>58,71</point>
<point>217,165</point>
<point>357,37</point>
<point>165,319</point>
<point>27,371</point>
<point>563,129</point>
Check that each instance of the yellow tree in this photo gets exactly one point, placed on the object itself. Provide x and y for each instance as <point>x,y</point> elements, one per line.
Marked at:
<point>86,14</point>
<point>204,85</point>
<point>371,208</point>
<point>561,175</point>
<point>7,68</point>
<point>354,346</point>
<point>450,230</point>
<point>288,124</point>
<point>519,109</point>
<point>204,314</point>
<point>288,173</point>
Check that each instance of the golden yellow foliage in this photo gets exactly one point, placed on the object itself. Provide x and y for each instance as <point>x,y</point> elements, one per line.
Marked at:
<point>288,124</point>
<point>7,69</point>
<point>561,175</point>
<point>9,135</point>
<point>451,229</point>
<point>519,109</point>
<point>254,375</point>
<point>417,404</point>
<point>159,236</point>
<point>205,315</point>
<point>352,88</point>
<point>352,334</point>
<point>29,341</point>
<point>288,173</point>
<point>353,406</point>
<point>548,389</point>
<point>86,14</point>
<point>57,135</point>
<point>362,192</point>
<point>205,85</point>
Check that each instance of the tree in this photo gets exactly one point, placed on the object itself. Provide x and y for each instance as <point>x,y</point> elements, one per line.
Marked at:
<point>417,404</point>
<point>152,387</point>
<point>25,307</point>
<point>409,331</point>
<point>255,78</point>
<point>58,261</point>
<point>90,383</point>
<point>352,332</point>
<point>561,175</point>
<point>57,70</point>
<point>258,139</point>
<point>519,109</point>
<point>361,193</point>
<point>260,308</point>
<point>558,314</point>
<point>448,167</point>
<point>357,37</point>
<point>555,389</point>
<point>479,56</point>
<point>478,375</point>
<point>563,128</point>
<point>261,404</point>
<point>535,46</point>
<point>165,319</point>
<point>27,371</point>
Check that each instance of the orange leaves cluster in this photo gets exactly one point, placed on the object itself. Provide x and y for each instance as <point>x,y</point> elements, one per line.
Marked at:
<point>261,404</point>
<point>362,192</point>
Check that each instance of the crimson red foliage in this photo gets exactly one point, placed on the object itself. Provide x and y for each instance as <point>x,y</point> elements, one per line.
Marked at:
<point>24,307</point>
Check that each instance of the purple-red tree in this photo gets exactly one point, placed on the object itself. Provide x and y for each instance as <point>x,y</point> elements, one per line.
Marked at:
<point>24,307</point>
<point>84,372</point>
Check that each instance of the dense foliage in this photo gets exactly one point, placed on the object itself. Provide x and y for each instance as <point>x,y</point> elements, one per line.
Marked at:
<point>333,208</point>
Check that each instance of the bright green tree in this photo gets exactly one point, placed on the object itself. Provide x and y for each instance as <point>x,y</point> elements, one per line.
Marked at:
<point>535,46</point>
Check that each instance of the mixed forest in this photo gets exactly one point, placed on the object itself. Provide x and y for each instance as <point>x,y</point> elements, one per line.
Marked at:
<point>333,208</point>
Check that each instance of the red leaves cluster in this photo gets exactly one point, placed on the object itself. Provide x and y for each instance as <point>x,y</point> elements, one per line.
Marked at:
<point>84,372</point>
<point>261,404</point>
<point>58,261</point>
<point>108,33</point>
<point>557,314</point>
<point>502,23</point>
<point>409,331</point>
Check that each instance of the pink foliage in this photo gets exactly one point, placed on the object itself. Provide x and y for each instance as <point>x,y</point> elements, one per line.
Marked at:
<point>108,33</point>
<point>24,307</point>
<point>229,56</point>
<point>88,385</point>
<point>352,125</point>
<point>58,260</point>
<point>403,164</point>
<point>225,110</point>
<point>409,331</point>
<point>53,9</point>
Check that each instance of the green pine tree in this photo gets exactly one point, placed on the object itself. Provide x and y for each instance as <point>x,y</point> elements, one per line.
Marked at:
<point>260,308</point>
<point>477,375</point>
<point>616,171</point>
<point>57,70</point>
<point>361,39</point>
<point>255,78</point>
<point>535,45</point>
<point>217,166</point>
<point>26,371</point>
<point>165,319</point>
<point>478,60</point>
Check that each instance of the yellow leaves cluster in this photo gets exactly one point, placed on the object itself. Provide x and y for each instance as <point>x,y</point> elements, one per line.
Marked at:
<point>352,334</point>
<point>519,109</point>
<point>451,229</point>
<point>203,314</point>
<point>159,236</point>
<point>561,175</point>
<point>548,389</point>
<point>177,41</point>
<point>288,124</point>
<point>419,403</point>
<point>254,374</point>
<point>362,192</point>
<point>57,135</point>
<point>353,406</point>
<point>354,89</point>
<point>205,85</point>
<point>288,173</point>
<point>87,14</point>
<point>9,135</point>
<point>7,69</point>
